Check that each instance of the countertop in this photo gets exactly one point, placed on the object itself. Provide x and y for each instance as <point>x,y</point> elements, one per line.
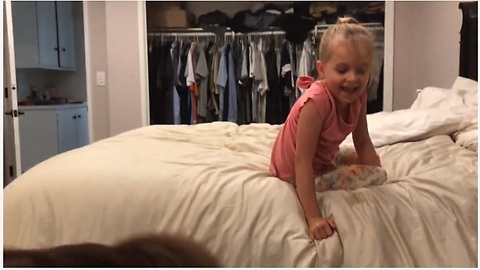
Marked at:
<point>53,107</point>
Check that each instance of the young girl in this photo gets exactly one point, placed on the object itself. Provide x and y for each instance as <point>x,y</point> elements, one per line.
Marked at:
<point>331,109</point>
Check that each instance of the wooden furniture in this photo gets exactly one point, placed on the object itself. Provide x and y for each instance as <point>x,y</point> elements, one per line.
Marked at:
<point>46,131</point>
<point>469,40</point>
<point>44,35</point>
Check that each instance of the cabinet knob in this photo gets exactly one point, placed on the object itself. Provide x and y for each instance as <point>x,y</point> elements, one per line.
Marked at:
<point>79,116</point>
<point>56,49</point>
<point>74,117</point>
<point>63,49</point>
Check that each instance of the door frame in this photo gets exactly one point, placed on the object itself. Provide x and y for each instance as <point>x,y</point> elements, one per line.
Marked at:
<point>88,67</point>
<point>388,57</point>
<point>143,54</point>
<point>10,72</point>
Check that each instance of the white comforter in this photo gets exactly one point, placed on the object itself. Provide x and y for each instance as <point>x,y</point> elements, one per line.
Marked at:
<point>211,181</point>
<point>464,95</point>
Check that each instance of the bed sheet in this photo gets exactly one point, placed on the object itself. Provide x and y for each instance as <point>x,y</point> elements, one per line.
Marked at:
<point>211,182</point>
<point>424,216</point>
<point>205,181</point>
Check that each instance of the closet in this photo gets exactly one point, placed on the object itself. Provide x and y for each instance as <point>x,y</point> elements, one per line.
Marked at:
<point>216,73</point>
<point>469,40</point>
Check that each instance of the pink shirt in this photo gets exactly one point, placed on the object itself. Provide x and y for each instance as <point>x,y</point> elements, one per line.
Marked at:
<point>333,133</point>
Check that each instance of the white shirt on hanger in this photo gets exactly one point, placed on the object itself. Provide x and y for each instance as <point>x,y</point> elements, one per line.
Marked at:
<point>190,70</point>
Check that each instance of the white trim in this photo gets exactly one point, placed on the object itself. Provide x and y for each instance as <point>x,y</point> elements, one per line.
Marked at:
<point>9,64</point>
<point>88,68</point>
<point>389,50</point>
<point>143,61</point>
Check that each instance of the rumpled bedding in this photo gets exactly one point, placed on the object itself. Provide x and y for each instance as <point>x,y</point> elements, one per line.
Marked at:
<point>211,182</point>
<point>464,95</point>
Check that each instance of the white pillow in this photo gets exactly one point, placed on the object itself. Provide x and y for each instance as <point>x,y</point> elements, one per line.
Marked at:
<point>388,128</point>
<point>465,84</point>
<point>468,137</point>
<point>464,92</point>
<point>468,89</point>
<point>431,97</point>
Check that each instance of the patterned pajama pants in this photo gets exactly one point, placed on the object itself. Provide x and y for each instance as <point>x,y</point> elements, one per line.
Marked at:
<point>349,176</point>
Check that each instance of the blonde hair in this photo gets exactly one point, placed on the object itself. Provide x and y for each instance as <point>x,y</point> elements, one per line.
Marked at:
<point>351,30</point>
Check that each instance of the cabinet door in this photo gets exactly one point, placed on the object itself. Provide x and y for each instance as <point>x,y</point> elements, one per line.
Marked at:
<point>81,122</point>
<point>67,130</point>
<point>38,136</point>
<point>65,35</point>
<point>24,17</point>
<point>47,34</point>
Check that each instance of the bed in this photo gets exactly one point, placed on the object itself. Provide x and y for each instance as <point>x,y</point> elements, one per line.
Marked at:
<point>211,182</point>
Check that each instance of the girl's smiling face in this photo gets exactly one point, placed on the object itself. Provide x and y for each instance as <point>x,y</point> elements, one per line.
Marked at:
<point>347,70</point>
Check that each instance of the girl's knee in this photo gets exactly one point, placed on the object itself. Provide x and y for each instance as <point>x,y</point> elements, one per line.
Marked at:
<point>351,177</point>
<point>377,175</point>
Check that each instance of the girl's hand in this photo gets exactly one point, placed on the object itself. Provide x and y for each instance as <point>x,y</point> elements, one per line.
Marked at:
<point>321,228</point>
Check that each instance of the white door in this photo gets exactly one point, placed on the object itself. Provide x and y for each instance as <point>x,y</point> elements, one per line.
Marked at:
<point>11,141</point>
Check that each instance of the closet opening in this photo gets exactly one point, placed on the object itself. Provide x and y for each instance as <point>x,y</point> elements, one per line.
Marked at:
<point>239,61</point>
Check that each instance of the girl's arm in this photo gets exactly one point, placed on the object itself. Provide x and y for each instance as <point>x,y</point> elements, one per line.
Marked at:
<point>362,141</point>
<point>308,130</point>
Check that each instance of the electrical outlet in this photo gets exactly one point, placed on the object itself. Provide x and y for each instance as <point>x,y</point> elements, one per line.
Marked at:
<point>101,78</point>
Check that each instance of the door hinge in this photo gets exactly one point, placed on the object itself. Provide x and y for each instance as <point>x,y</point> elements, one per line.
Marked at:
<point>11,171</point>
<point>6,90</point>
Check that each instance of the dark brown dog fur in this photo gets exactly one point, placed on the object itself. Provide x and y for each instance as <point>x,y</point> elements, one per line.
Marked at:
<point>144,251</point>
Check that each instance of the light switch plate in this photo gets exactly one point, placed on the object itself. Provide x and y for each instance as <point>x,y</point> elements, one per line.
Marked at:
<point>100,78</point>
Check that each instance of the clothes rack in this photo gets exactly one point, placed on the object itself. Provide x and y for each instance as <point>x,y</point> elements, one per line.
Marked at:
<point>200,32</point>
<point>240,77</point>
<point>375,28</point>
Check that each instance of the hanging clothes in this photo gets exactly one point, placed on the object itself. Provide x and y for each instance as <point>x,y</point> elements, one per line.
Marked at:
<point>160,81</point>
<point>242,80</point>
<point>213,101</point>
<point>286,80</point>
<point>273,113</point>
<point>222,80</point>
<point>241,101</point>
<point>174,54</point>
<point>182,89</point>
<point>245,87</point>
<point>232,84</point>
<point>262,82</point>
<point>154,60</point>
<point>202,73</point>
<point>238,81</point>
